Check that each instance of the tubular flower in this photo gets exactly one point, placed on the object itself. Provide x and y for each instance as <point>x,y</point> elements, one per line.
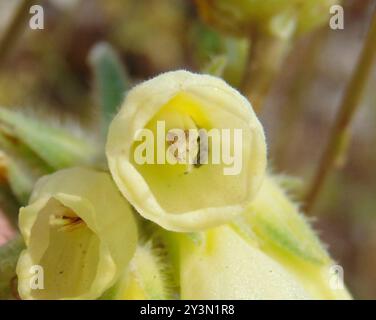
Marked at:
<point>285,235</point>
<point>269,252</point>
<point>168,176</point>
<point>79,231</point>
<point>222,265</point>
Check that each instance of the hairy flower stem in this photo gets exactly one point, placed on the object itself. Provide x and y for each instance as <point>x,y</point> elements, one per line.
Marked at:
<point>348,107</point>
<point>14,28</point>
<point>266,57</point>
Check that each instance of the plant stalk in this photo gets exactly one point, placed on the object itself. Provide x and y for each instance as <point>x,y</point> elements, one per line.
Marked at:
<point>267,54</point>
<point>14,28</point>
<point>350,104</point>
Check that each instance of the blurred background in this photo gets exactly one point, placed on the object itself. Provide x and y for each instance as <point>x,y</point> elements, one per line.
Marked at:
<point>48,71</point>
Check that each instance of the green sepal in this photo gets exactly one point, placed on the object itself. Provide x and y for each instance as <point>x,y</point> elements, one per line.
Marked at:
<point>148,277</point>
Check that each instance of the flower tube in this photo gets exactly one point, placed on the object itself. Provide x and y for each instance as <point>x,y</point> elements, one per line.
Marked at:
<point>187,151</point>
<point>286,236</point>
<point>79,233</point>
<point>269,252</point>
<point>222,265</point>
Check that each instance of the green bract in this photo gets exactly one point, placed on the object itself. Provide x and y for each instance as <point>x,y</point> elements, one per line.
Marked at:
<point>58,147</point>
<point>171,195</point>
<point>80,230</point>
<point>21,167</point>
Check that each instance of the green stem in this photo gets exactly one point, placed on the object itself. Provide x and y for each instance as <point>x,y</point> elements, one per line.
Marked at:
<point>266,57</point>
<point>14,28</point>
<point>9,254</point>
<point>349,106</point>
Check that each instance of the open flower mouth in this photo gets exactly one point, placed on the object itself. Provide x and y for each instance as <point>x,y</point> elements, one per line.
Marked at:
<point>66,221</point>
<point>178,134</point>
<point>67,238</point>
<point>187,149</point>
<point>79,232</point>
<point>191,147</point>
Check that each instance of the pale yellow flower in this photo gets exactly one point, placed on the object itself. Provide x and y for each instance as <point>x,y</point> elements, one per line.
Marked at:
<point>80,231</point>
<point>176,196</point>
